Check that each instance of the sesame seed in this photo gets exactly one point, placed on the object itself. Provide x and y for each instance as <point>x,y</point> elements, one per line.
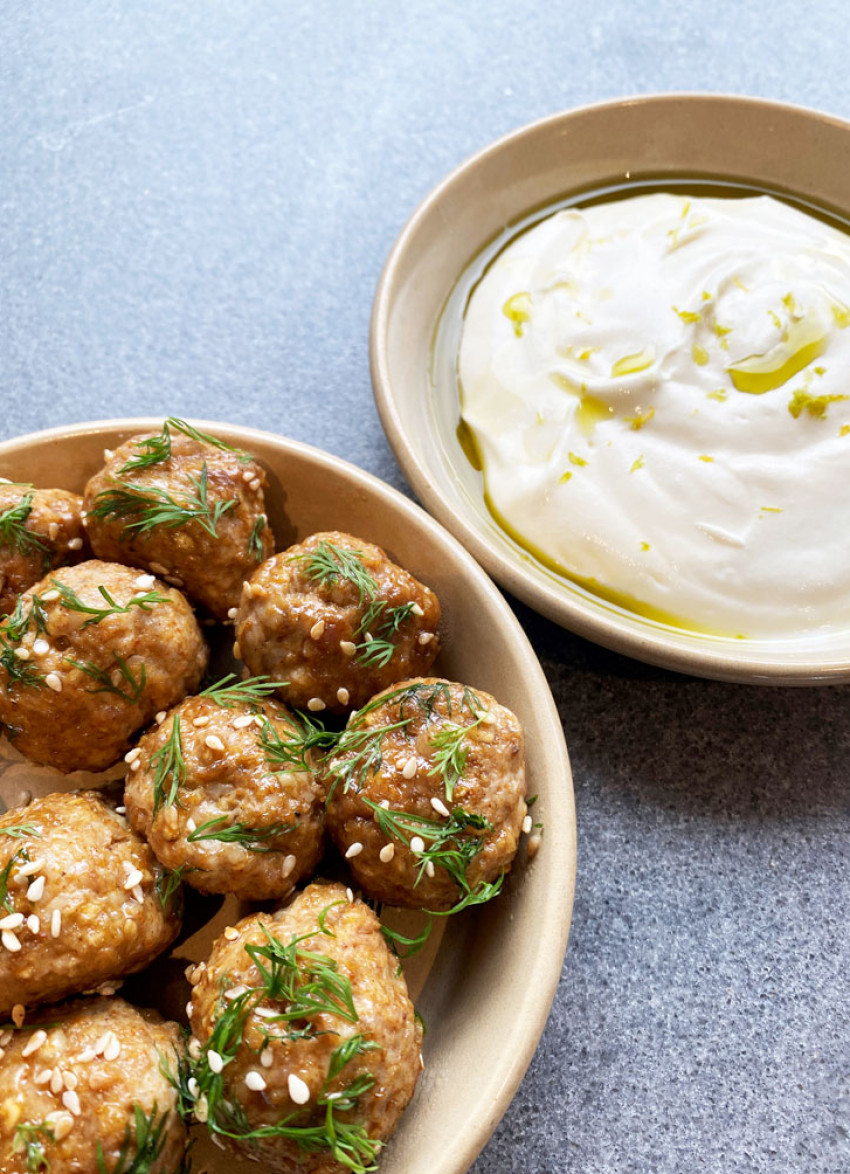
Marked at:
<point>52,681</point>
<point>61,1125</point>
<point>247,476</point>
<point>56,1082</point>
<point>34,1043</point>
<point>232,612</point>
<point>10,942</point>
<point>40,648</point>
<point>289,863</point>
<point>350,896</point>
<point>190,1007</point>
<point>527,824</point>
<point>108,454</point>
<point>194,1048</point>
<point>255,484</point>
<point>387,852</point>
<point>245,719</point>
<point>31,868</point>
<point>144,582</point>
<point>347,647</point>
<point>53,531</point>
<point>139,895</point>
<point>159,569</point>
<point>355,850</point>
<point>201,1110</point>
<point>255,1081</point>
<point>193,1086</point>
<point>43,1077</point>
<point>317,629</point>
<point>533,846</point>
<point>237,650</point>
<point>299,1092</point>
<point>266,1057</point>
<point>191,826</point>
<point>342,695</point>
<point>315,704</point>
<point>85,1056</point>
<point>385,803</point>
<point>416,609</point>
<point>440,807</point>
<point>113,1048</point>
<point>215,1062</point>
<point>75,544</point>
<point>174,580</point>
<point>213,742</point>
<point>6,1036</point>
<point>429,868</point>
<point>22,653</point>
<point>368,637</point>
<point>134,877</point>
<point>488,719</point>
<point>417,844</point>
<point>101,1043</point>
<point>133,754</point>
<point>71,1102</point>
<point>70,1081</point>
<point>203,720</point>
<point>409,768</point>
<point>56,923</point>
<point>266,1012</point>
<point>160,717</point>
<point>121,810</point>
<point>231,933</point>
<point>425,637</point>
<point>50,596</point>
<point>33,923</point>
<point>13,921</point>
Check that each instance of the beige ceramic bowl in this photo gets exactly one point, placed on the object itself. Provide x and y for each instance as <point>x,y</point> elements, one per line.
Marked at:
<point>667,137</point>
<point>487,995</point>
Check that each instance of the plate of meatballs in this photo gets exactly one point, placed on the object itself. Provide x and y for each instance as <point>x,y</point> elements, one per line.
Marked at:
<point>276,761</point>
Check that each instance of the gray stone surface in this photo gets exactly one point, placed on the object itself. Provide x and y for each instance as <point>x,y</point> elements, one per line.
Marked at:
<point>195,203</point>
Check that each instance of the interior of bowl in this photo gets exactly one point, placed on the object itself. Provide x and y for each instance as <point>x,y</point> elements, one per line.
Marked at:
<point>700,137</point>
<point>473,983</point>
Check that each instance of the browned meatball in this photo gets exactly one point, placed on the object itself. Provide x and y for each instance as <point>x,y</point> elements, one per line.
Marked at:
<point>427,794</point>
<point>247,815</point>
<point>324,1033</point>
<point>80,900</point>
<point>187,507</point>
<point>337,620</point>
<point>40,529</point>
<point>90,654</point>
<point>85,1083</point>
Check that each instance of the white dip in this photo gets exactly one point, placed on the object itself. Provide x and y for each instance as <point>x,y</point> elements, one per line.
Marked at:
<point>659,390</point>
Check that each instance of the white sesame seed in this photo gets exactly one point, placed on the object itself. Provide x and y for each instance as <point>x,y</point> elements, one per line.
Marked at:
<point>417,844</point>
<point>409,768</point>
<point>22,653</point>
<point>40,648</point>
<point>193,1086</point>
<point>71,1102</point>
<point>108,454</point>
<point>50,596</point>
<point>121,810</point>
<point>247,476</point>
<point>53,531</point>
<point>159,569</point>
<point>56,1082</point>
<point>368,637</point>
<point>34,1043</point>
<point>244,719</point>
<point>213,742</point>
<point>53,681</point>
<point>190,1007</point>
<point>255,1081</point>
<point>10,942</point>
<point>194,1048</point>
<point>429,868</point>
<point>266,1057</point>
<point>134,877</point>
<point>259,722</point>
<point>215,1062</point>
<point>289,863</point>
<point>85,1056</point>
<point>266,1012</point>
<point>160,717</point>
<point>43,1077</point>
<point>488,719</point>
<point>203,720</point>
<point>425,637</point>
<point>201,1110</point>
<point>350,896</point>
<point>61,1125</point>
<point>13,921</point>
<point>317,629</point>
<point>133,754</point>
<point>139,895</point>
<point>144,582</point>
<point>387,852</point>
<point>75,544</point>
<point>255,484</point>
<point>69,1079</point>
<point>347,647</point>
<point>299,1092</point>
<point>385,803</point>
<point>533,846</point>
<point>101,1043</point>
<point>342,695</point>
<point>416,609</point>
<point>355,850</point>
<point>113,1048</point>
<point>33,923</point>
<point>56,923</point>
<point>440,807</point>
<point>315,704</point>
<point>231,933</point>
<point>174,580</point>
<point>7,1035</point>
<point>527,824</point>
<point>232,613</point>
<point>31,868</point>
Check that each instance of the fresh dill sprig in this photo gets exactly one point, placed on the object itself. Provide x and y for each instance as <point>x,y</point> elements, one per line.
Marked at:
<point>145,507</point>
<point>18,672</point>
<point>157,449</point>
<point>327,563</point>
<point>14,533</point>
<point>5,876</point>
<point>251,838</point>
<point>167,884</point>
<point>292,752</point>
<point>255,541</point>
<point>30,1138</point>
<point>71,601</point>
<point>134,687</point>
<point>142,1146</point>
<point>230,691</point>
<point>169,768</point>
<point>21,831</point>
<point>378,646</point>
<point>12,630</point>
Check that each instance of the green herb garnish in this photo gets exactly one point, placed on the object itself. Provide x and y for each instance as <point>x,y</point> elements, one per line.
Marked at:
<point>72,602</point>
<point>133,686</point>
<point>157,449</point>
<point>169,767</point>
<point>31,1139</point>
<point>20,831</point>
<point>142,1145</point>
<point>251,838</point>
<point>292,752</point>
<point>14,533</point>
<point>255,541</point>
<point>145,507</point>
<point>230,691</point>
<point>5,876</point>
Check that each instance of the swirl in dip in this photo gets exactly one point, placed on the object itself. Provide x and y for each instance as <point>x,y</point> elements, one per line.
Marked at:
<point>659,392</point>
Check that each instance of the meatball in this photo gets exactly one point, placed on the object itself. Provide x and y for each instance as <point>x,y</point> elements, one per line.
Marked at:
<point>427,794</point>
<point>320,1035</point>
<point>187,507</point>
<point>80,896</point>
<point>247,815</point>
<point>90,654</point>
<point>40,529</point>
<point>85,1087</point>
<point>338,621</point>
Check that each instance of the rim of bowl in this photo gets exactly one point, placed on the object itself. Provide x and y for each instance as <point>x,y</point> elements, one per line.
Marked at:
<point>543,959</point>
<point>675,649</point>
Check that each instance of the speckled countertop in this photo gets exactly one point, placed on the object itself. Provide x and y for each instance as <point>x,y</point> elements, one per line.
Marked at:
<point>196,203</point>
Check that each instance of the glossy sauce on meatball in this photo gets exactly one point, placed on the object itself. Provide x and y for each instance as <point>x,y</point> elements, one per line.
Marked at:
<point>427,794</point>
<point>326,1033</point>
<point>91,653</point>
<point>81,900</point>
<point>244,813</point>
<point>78,1081</point>
<point>186,507</point>
<point>40,529</point>
<point>337,620</point>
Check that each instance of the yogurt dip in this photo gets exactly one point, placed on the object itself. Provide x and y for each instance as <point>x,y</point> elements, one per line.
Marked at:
<point>659,392</point>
